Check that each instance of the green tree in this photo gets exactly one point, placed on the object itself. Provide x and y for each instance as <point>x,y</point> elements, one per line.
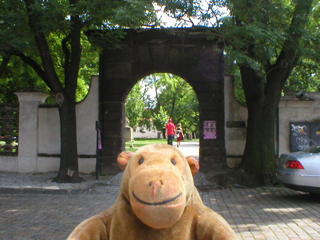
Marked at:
<point>163,95</point>
<point>266,39</point>
<point>48,36</point>
<point>304,78</point>
<point>179,100</point>
<point>160,119</point>
<point>17,76</point>
<point>266,51</point>
<point>135,106</point>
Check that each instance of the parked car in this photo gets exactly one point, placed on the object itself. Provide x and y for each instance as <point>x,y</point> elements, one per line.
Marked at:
<point>301,170</point>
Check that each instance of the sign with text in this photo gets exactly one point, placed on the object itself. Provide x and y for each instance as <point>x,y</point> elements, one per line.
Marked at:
<point>209,130</point>
<point>304,135</point>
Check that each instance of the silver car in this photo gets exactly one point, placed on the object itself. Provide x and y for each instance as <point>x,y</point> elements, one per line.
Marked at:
<point>301,170</point>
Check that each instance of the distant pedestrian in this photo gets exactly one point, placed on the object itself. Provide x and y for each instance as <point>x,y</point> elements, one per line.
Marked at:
<point>180,134</point>
<point>171,131</point>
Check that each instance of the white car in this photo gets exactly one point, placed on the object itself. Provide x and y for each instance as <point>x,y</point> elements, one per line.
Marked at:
<point>301,170</point>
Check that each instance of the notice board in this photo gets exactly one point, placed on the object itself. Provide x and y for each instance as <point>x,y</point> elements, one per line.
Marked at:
<point>209,130</point>
<point>304,135</point>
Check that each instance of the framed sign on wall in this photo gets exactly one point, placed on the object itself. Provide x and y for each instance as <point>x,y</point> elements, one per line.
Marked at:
<point>209,130</point>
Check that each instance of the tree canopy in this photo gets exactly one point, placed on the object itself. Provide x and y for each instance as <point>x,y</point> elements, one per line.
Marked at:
<point>17,41</point>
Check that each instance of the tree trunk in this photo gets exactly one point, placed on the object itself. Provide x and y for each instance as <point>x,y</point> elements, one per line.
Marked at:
<point>263,94</point>
<point>259,155</point>
<point>68,171</point>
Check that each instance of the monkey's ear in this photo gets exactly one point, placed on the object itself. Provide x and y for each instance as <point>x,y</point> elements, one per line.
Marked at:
<point>194,165</point>
<point>123,159</point>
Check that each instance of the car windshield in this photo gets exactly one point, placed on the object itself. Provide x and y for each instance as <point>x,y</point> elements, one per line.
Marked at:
<point>314,149</point>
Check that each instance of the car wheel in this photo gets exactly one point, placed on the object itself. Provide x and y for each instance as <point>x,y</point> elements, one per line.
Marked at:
<point>315,195</point>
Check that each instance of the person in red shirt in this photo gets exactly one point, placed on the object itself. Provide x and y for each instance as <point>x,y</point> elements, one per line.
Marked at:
<point>171,131</point>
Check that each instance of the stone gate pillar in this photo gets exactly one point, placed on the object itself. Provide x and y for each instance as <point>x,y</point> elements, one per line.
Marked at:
<point>113,134</point>
<point>28,129</point>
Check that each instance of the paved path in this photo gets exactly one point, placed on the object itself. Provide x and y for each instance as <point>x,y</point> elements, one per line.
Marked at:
<point>189,148</point>
<point>254,213</point>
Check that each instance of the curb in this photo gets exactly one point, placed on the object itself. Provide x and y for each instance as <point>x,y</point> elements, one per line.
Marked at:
<point>44,190</point>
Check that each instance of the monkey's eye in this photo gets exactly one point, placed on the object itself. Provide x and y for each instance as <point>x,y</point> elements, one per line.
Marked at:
<point>173,161</point>
<point>141,160</point>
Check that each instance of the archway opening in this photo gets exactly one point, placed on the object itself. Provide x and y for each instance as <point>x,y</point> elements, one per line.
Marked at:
<point>149,105</point>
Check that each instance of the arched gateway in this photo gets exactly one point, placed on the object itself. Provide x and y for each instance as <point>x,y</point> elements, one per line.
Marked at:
<point>187,53</point>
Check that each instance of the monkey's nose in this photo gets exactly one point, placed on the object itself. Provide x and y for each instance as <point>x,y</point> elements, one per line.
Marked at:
<point>158,182</point>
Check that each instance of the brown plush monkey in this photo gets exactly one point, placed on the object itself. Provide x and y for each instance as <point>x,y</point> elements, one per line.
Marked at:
<point>157,200</point>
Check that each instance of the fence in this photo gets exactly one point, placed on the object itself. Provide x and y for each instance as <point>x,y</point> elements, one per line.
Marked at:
<point>9,128</point>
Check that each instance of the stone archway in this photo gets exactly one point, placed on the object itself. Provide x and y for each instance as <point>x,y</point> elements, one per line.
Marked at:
<point>185,52</point>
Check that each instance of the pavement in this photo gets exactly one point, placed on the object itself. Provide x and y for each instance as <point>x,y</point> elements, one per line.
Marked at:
<point>32,207</point>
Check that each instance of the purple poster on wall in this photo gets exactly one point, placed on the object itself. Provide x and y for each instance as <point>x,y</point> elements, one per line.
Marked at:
<point>209,130</point>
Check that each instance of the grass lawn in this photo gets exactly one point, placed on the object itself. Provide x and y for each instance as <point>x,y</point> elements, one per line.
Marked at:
<point>139,142</point>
